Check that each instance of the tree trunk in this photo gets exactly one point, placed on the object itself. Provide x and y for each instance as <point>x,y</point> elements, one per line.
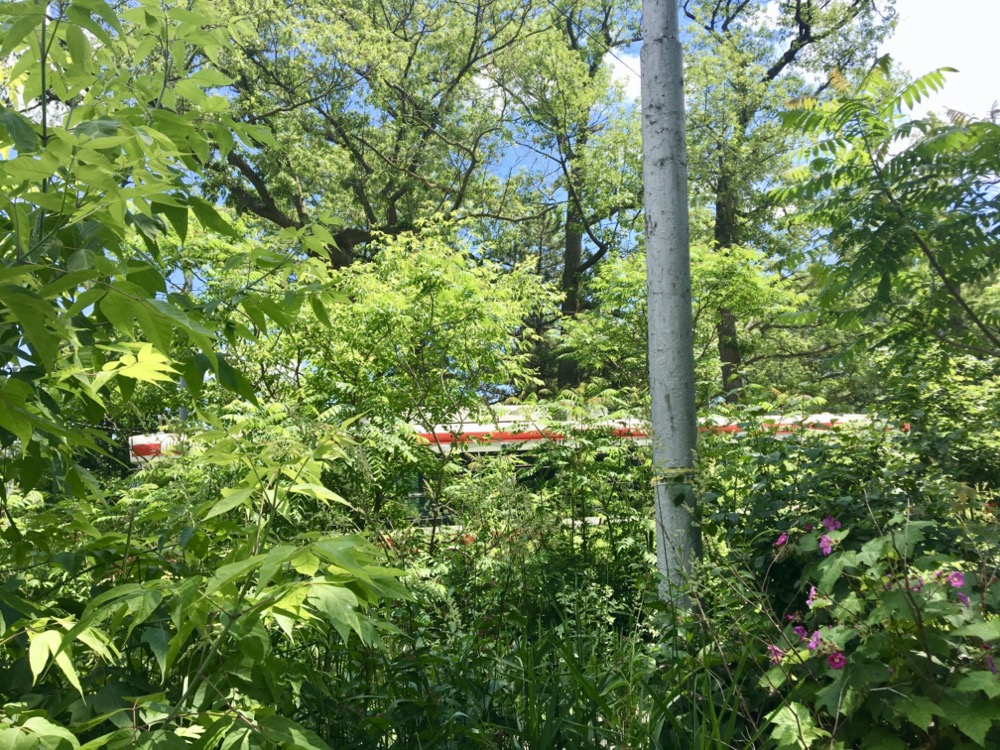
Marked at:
<point>729,355</point>
<point>725,238</point>
<point>568,374</point>
<point>668,280</point>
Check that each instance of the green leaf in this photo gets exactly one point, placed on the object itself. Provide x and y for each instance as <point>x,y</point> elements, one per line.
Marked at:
<point>13,416</point>
<point>318,492</point>
<point>211,219</point>
<point>21,132</point>
<point>18,31</point>
<point>79,47</point>
<point>987,631</point>
<point>52,736</point>
<point>794,727</point>
<point>158,641</point>
<point>37,732</point>
<point>229,573</point>
<point>104,11</point>
<point>142,604</point>
<point>988,682</point>
<point>975,721</point>
<point>43,645</point>
<point>319,310</point>
<point>920,711</point>
<point>119,309</point>
<point>16,738</point>
<point>276,557</point>
<point>287,734</point>
<point>337,605</point>
<point>65,664</point>
<point>146,365</point>
<point>176,215</point>
<point>233,380</point>
<point>32,312</point>
<point>93,129</point>
<point>231,498</point>
<point>81,17</point>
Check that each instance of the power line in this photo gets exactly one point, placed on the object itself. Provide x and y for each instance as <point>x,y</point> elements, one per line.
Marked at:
<point>594,38</point>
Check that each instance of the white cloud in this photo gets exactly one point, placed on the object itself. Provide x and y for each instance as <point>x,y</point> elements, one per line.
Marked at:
<point>625,70</point>
<point>959,34</point>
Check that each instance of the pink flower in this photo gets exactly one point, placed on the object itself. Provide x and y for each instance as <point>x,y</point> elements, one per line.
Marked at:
<point>917,585</point>
<point>814,640</point>
<point>781,539</point>
<point>812,596</point>
<point>825,545</point>
<point>800,631</point>
<point>956,580</point>
<point>836,660</point>
<point>963,598</point>
<point>775,654</point>
<point>830,523</point>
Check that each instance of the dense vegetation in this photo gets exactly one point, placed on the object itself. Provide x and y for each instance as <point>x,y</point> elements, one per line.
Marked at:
<point>298,234</point>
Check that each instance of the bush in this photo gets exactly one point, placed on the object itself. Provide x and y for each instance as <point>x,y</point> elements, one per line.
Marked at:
<point>875,568</point>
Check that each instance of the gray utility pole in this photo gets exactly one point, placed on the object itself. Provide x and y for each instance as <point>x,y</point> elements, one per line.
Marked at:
<point>668,283</point>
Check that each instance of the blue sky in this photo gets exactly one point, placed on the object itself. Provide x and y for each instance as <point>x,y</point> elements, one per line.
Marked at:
<point>931,34</point>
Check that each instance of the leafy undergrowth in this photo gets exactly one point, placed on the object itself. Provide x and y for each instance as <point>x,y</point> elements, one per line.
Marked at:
<point>846,598</point>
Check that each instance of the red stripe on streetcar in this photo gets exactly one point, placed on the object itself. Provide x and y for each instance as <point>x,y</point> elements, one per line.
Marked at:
<point>502,436</point>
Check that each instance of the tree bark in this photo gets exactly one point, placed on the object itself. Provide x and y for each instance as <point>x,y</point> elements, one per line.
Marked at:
<point>668,280</point>
<point>567,373</point>
<point>725,237</point>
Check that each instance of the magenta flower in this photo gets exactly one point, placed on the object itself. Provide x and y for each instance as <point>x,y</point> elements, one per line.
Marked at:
<point>781,539</point>
<point>809,527</point>
<point>775,654</point>
<point>836,660</point>
<point>830,523</point>
<point>800,631</point>
<point>963,598</point>
<point>956,580</point>
<point>825,545</point>
<point>814,640</point>
<point>812,596</point>
<point>917,585</point>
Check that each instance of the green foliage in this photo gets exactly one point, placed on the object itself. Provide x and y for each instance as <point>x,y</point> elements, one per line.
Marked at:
<point>875,569</point>
<point>950,402</point>
<point>528,626</point>
<point>383,119</point>
<point>179,612</point>
<point>105,119</point>
<point>424,332</point>
<point>207,600</point>
<point>894,636</point>
<point>910,207</point>
<point>144,615</point>
<point>609,341</point>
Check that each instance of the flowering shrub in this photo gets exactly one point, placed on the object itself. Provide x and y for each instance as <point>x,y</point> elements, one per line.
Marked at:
<point>891,646</point>
<point>870,606</point>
